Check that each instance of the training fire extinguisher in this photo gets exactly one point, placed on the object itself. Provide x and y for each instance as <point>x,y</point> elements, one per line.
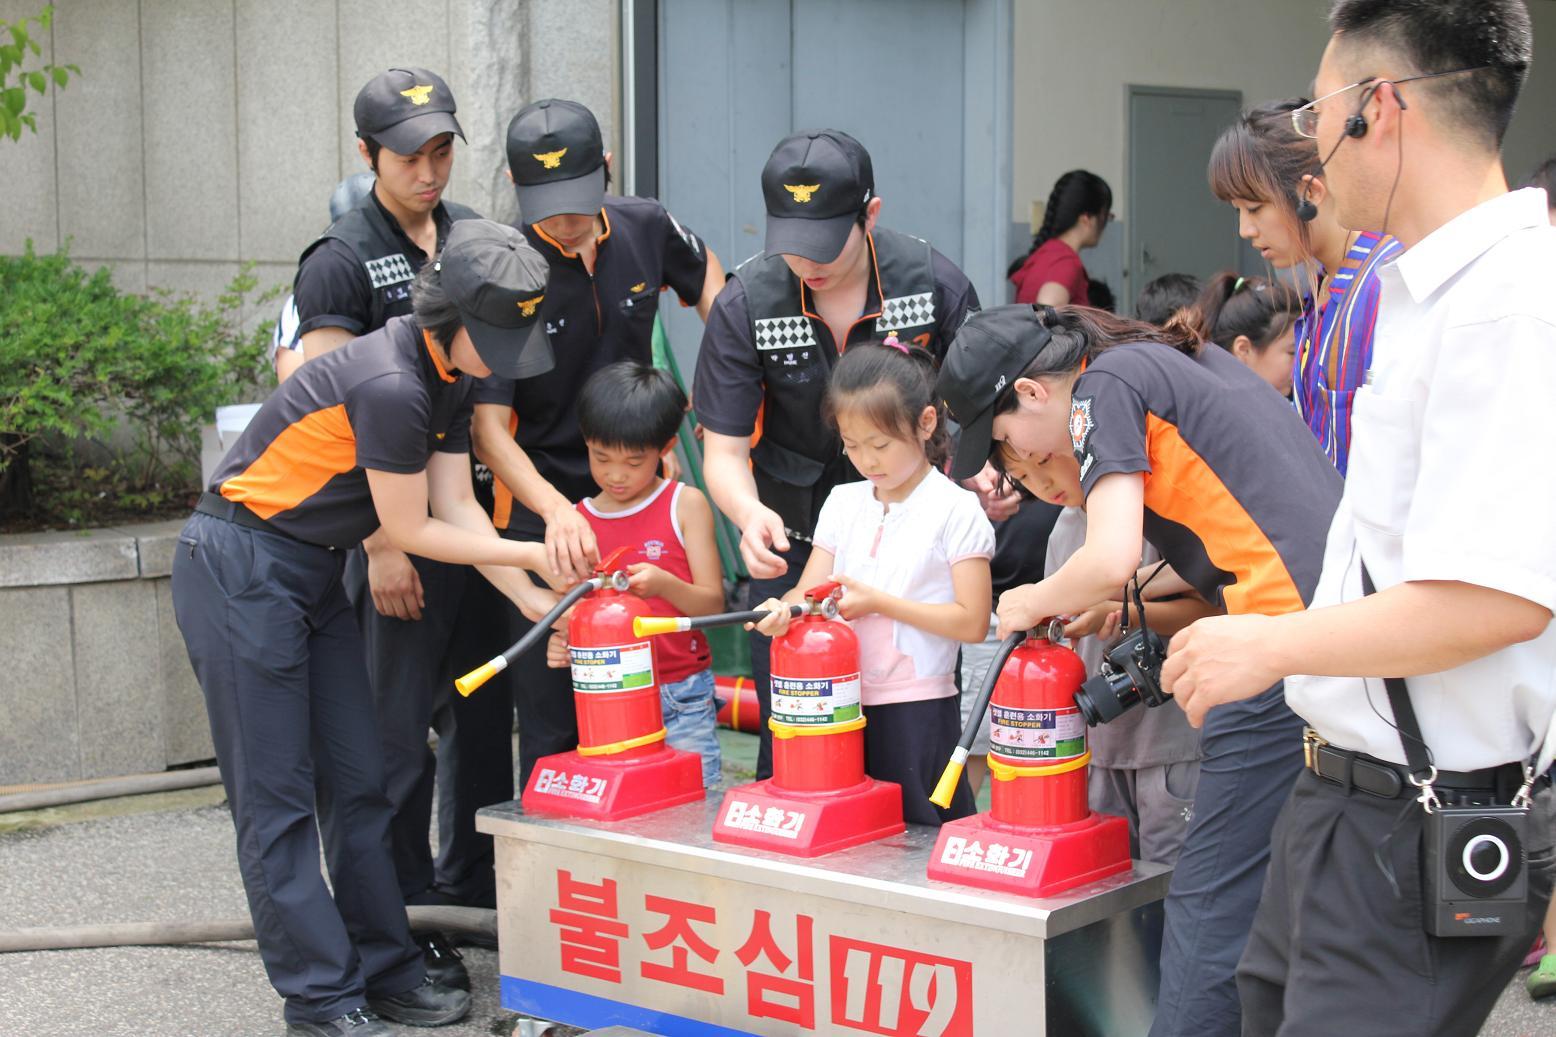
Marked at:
<point>1037,741</point>
<point>615,692</point>
<point>817,716</point>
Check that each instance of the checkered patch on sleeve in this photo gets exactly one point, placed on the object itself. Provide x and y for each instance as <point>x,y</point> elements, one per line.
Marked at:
<point>389,270</point>
<point>907,311</point>
<point>784,333</point>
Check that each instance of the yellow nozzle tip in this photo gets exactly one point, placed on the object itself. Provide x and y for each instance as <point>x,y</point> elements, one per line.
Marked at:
<point>947,786</point>
<point>645,626</point>
<point>475,678</point>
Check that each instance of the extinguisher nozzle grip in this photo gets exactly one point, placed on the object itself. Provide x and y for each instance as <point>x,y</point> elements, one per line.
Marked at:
<point>646,626</point>
<point>952,774</point>
<point>480,675</point>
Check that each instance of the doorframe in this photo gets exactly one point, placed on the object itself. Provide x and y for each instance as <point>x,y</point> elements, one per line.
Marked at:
<point>639,166</point>
<point>1132,211</point>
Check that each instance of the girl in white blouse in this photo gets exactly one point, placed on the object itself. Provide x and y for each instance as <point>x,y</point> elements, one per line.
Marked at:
<point>912,550</point>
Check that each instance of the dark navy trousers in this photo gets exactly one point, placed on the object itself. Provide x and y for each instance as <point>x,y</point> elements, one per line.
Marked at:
<point>277,653</point>
<point>411,667</point>
<point>1252,756</point>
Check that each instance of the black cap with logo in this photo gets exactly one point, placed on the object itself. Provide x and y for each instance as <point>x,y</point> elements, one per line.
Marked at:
<point>985,359</point>
<point>814,185</point>
<point>404,108</point>
<point>496,280</point>
<point>557,159</point>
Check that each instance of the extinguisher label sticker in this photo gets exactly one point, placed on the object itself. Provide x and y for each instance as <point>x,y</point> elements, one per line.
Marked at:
<point>815,700</point>
<point>1037,734</point>
<point>617,668</point>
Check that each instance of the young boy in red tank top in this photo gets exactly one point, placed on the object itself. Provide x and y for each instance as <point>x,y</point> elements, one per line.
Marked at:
<point>628,413</point>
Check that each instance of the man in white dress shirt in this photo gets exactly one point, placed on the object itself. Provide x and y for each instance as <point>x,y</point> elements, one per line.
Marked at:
<point>1451,506</point>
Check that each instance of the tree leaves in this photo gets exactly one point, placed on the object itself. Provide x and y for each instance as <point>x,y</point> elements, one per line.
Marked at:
<point>13,98</point>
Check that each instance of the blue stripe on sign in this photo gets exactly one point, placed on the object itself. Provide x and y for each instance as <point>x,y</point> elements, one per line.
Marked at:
<point>575,1009</point>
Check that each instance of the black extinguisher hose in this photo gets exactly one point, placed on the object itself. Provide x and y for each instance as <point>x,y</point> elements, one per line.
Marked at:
<point>486,671</point>
<point>941,797</point>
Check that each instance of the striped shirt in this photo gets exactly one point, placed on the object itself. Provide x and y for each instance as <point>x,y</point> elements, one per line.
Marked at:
<point>1335,350</point>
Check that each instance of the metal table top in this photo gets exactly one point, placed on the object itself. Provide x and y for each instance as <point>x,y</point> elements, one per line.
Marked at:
<point>888,873</point>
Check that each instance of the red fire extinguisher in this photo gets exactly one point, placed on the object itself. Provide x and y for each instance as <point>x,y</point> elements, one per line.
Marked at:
<point>614,688</point>
<point>817,717</point>
<point>1037,740</point>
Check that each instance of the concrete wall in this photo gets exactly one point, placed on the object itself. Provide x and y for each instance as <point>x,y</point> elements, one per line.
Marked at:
<point>97,682</point>
<point>1073,61</point>
<point>205,133</point>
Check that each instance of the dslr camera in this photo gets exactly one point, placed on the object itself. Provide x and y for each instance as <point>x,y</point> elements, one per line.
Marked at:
<point>1131,672</point>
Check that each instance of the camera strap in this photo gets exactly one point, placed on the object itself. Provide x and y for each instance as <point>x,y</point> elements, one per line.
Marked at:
<point>1418,756</point>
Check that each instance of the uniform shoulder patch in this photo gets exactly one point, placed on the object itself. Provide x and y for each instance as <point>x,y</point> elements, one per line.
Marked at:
<point>1081,424</point>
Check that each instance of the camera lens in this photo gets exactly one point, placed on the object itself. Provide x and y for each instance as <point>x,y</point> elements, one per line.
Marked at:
<point>1105,697</point>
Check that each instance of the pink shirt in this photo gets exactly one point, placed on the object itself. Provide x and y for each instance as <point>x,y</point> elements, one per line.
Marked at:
<point>1057,262</point>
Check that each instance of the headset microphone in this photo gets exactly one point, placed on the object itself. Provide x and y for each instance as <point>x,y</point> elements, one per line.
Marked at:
<point>1355,126</point>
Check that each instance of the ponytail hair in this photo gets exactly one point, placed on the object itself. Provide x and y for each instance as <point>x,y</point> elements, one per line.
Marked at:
<point>1229,306</point>
<point>1075,194</point>
<point>889,386</point>
<point>1078,334</point>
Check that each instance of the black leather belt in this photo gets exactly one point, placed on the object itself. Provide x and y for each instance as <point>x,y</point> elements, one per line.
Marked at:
<point>1350,769</point>
<point>217,506</point>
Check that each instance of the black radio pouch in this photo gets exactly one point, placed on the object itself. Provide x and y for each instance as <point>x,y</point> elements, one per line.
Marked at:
<point>1474,876</point>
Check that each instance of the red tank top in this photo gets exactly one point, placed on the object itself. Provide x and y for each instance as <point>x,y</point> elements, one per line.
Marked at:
<point>650,528</point>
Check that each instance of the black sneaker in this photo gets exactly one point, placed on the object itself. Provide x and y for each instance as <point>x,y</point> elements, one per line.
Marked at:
<point>426,1004</point>
<point>360,1023</point>
<point>443,964</point>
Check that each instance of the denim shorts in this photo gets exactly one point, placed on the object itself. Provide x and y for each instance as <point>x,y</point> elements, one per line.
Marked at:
<point>691,720</point>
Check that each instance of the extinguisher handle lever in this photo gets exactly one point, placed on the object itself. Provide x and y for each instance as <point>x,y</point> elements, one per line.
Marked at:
<point>946,788</point>
<point>823,591</point>
<point>611,562</point>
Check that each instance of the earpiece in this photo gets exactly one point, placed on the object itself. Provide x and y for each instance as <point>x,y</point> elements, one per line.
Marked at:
<point>1356,125</point>
<point>1307,212</point>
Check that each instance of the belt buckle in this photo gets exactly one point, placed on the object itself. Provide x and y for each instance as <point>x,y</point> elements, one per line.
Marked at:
<point>1311,742</point>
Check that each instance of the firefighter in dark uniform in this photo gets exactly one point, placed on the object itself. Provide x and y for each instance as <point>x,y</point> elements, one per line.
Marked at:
<point>610,258</point>
<point>829,277</point>
<point>376,432</point>
<point>421,620</point>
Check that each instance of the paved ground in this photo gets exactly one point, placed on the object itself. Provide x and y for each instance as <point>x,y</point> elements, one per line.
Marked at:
<point>170,857</point>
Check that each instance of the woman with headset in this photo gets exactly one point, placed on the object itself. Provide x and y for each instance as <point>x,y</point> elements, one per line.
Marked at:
<point>1266,166</point>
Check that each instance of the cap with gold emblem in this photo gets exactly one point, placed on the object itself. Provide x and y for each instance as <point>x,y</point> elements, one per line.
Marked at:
<point>497,280</point>
<point>815,183</point>
<point>404,108</point>
<point>557,159</point>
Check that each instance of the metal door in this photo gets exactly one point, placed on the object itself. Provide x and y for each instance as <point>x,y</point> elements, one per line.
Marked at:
<point>923,84</point>
<point>1175,224</point>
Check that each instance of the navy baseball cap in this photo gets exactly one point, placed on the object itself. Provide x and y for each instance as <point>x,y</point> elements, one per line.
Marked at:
<point>497,280</point>
<point>557,158</point>
<point>985,359</point>
<point>815,183</point>
<point>404,108</point>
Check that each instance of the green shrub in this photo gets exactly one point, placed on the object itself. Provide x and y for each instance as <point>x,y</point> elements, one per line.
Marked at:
<point>78,359</point>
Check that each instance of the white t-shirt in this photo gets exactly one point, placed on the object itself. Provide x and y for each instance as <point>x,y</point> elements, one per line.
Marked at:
<point>1450,480</point>
<point>907,551</point>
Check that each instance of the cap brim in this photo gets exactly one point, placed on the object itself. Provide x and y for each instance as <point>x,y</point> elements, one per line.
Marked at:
<point>580,196</point>
<point>975,446</point>
<point>512,352</point>
<point>406,138</point>
<point>820,241</point>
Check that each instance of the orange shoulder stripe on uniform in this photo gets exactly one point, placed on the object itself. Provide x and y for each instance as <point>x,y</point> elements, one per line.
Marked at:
<point>307,454</point>
<point>1182,488</point>
<point>502,497</point>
